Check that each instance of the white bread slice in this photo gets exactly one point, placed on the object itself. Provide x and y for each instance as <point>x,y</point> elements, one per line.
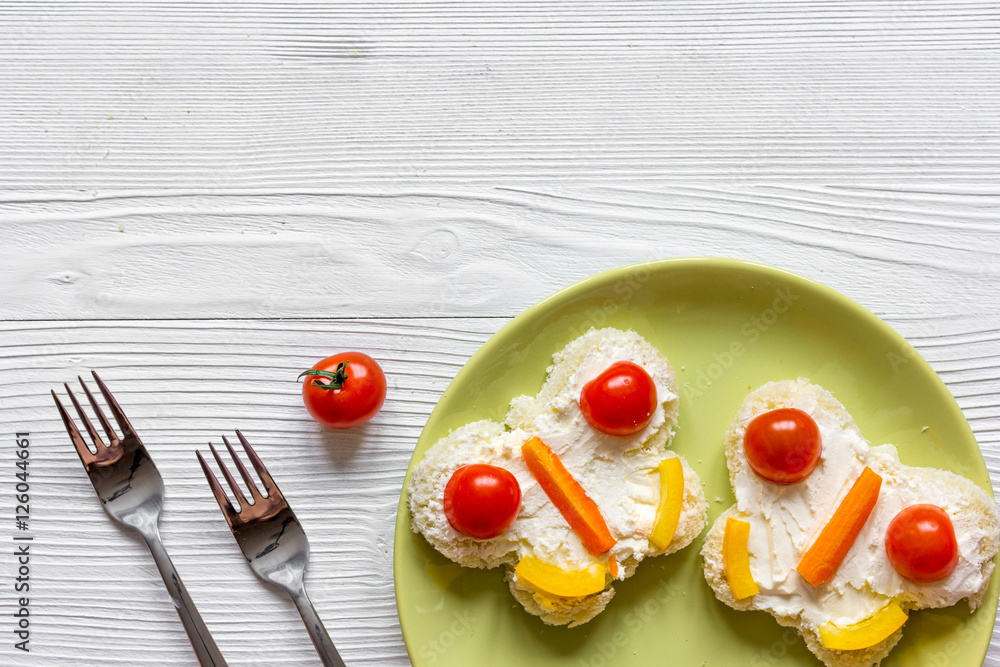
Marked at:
<point>500,445</point>
<point>524,410</point>
<point>425,494</point>
<point>715,575</point>
<point>976,504</point>
<point>425,498</point>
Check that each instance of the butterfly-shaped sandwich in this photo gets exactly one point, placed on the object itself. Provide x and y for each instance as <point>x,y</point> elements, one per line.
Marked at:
<point>575,488</point>
<point>837,538</point>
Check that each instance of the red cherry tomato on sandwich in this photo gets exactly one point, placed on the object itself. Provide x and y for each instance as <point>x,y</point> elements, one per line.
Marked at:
<point>344,390</point>
<point>481,500</point>
<point>782,446</point>
<point>921,544</point>
<point>619,401</point>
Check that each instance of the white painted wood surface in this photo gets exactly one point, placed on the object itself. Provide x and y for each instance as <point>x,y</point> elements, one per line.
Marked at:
<point>179,182</point>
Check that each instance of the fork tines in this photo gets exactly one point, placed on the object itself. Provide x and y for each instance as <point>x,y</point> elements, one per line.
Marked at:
<point>106,454</point>
<point>262,505</point>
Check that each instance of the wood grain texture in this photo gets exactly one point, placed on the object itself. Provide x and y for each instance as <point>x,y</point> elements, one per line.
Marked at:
<point>406,175</point>
<point>233,95</point>
<point>471,251</point>
<point>186,382</point>
<point>183,384</point>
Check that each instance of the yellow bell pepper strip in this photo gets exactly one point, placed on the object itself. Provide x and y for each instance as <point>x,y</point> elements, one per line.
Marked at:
<point>581,513</point>
<point>736,559</point>
<point>668,513</point>
<point>552,580</point>
<point>820,562</point>
<point>865,633</point>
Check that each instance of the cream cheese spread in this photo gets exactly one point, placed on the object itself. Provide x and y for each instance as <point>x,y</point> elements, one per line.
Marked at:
<point>785,520</point>
<point>619,473</point>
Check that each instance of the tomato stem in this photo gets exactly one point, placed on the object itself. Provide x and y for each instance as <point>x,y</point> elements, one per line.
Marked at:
<point>337,379</point>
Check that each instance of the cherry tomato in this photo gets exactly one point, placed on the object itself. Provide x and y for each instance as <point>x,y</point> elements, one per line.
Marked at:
<point>783,445</point>
<point>921,544</point>
<point>344,390</point>
<point>619,401</point>
<point>481,500</point>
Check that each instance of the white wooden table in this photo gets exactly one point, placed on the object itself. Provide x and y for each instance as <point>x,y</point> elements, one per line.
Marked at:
<point>201,199</point>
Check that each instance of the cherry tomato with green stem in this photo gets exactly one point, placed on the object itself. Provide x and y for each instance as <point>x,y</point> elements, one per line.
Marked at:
<point>344,390</point>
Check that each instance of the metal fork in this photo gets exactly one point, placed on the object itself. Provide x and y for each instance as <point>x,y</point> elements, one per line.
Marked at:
<point>131,490</point>
<point>271,538</point>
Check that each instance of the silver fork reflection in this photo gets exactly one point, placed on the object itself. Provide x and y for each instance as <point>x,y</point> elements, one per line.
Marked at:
<point>271,538</point>
<point>131,490</point>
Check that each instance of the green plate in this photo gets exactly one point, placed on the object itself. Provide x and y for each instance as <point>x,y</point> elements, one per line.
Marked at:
<point>727,326</point>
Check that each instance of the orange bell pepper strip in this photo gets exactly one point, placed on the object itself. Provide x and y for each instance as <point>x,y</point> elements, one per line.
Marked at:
<point>581,513</point>
<point>820,562</point>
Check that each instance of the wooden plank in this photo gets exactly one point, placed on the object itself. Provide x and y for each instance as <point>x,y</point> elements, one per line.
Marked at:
<point>472,251</point>
<point>236,96</point>
<point>182,384</point>
<point>410,158</point>
<point>185,382</point>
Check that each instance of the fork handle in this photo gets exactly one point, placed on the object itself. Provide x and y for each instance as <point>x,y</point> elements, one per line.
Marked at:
<point>320,639</point>
<point>201,640</point>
